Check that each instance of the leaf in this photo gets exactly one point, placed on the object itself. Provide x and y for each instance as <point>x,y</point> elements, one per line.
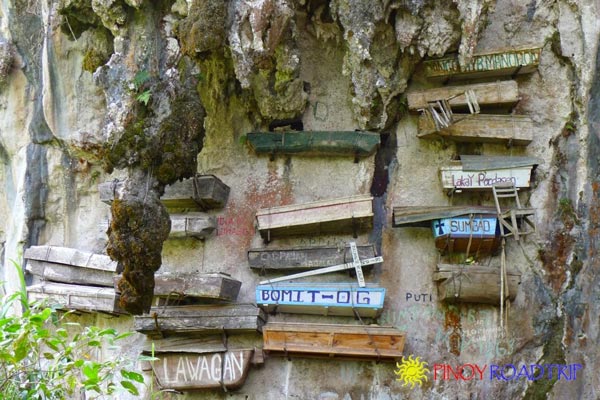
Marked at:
<point>108,331</point>
<point>130,388</point>
<point>140,78</point>
<point>148,358</point>
<point>144,97</point>
<point>132,376</point>
<point>90,370</point>
<point>123,335</point>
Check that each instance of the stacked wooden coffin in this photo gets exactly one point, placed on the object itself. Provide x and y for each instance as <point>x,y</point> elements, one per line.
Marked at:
<point>73,279</point>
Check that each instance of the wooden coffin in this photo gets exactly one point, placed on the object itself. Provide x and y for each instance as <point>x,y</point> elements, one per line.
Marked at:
<point>345,214</point>
<point>482,128</point>
<point>421,216</point>
<point>304,257</point>
<point>212,286</point>
<point>76,297</point>
<point>343,299</point>
<point>202,192</point>
<point>190,225</point>
<point>63,264</point>
<point>204,370</point>
<point>452,235</point>
<point>333,340</point>
<point>201,319</point>
<point>501,93</point>
<point>474,284</point>
<point>482,172</point>
<point>317,143</point>
<point>497,63</point>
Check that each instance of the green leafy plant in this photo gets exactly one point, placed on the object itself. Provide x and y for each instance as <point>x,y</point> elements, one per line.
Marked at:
<point>139,81</point>
<point>45,356</point>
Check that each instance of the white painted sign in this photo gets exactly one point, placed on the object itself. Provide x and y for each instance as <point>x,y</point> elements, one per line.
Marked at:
<point>458,227</point>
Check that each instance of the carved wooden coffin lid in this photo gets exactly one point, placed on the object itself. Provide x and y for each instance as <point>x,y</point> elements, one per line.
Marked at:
<point>76,297</point>
<point>304,257</point>
<point>317,143</point>
<point>333,340</point>
<point>201,319</point>
<point>500,93</point>
<point>214,286</point>
<point>482,172</point>
<point>345,299</point>
<point>67,265</point>
<point>481,128</point>
<point>474,283</point>
<point>201,192</point>
<point>324,216</point>
<point>494,63</point>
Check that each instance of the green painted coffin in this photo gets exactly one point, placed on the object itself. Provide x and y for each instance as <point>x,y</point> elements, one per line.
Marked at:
<point>315,143</point>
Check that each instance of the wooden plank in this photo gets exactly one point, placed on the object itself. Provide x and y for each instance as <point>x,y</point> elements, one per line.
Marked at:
<point>204,319</point>
<point>500,93</point>
<point>214,286</point>
<point>186,371</point>
<point>483,65</point>
<point>421,216</point>
<point>201,192</point>
<point>76,297</point>
<point>304,257</point>
<point>474,284</point>
<point>333,340</point>
<point>481,128</point>
<point>454,176</point>
<point>70,274</point>
<point>321,299</point>
<point>177,344</point>
<point>480,234</point>
<point>315,143</point>
<point>69,256</point>
<point>326,216</point>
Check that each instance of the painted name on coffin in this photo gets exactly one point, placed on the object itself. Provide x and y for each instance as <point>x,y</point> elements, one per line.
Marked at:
<point>356,297</point>
<point>485,62</point>
<point>465,226</point>
<point>203,369</point>
<point>481,179</point>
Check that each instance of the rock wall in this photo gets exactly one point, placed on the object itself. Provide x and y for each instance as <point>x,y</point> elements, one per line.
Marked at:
<point>74,107</point>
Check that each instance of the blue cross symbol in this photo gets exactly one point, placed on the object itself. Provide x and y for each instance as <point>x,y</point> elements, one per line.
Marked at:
<point>439,224</point>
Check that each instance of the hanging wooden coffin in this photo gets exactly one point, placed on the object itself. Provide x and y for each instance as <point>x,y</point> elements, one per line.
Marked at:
<point>76,297</point>
<point>206,370</point>
<point>497,63</point>
<point>333,340</point>
<point>421,216</point>
<point>452,235</point>
<point>321,299</point>
<point>474,284</point>
<point>481,128</point>
<point>500,93</point>
<point>201,319</point>
<point>211,286</point>
<point>482,172</point>
<point>201,192</point>
<point>63,264</point>
<point>190,225</point>
<point>346,214</point>
<point>304,257</point>
<point>318,143</point>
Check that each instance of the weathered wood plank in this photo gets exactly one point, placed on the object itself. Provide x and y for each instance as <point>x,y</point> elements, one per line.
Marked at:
<point>326,216</point>
<point>315,143</point>
<point>69,256</point>
<point>205,319</point>
<point>76,297</point>
<point>321,299</point>
<point>333,340</point>
<point>177,344</point>
<point>186,371</point>
<point>70,274</point>
<point>474,284</point>
<point>214,286</point>
<point>304,257</point>
<point>501,93</point>
<point>497,63</point>
<point>479,234</point>
<point>482,128</point>
<point>421,216</point>
<point>201,192</point>
<point>194,224</point>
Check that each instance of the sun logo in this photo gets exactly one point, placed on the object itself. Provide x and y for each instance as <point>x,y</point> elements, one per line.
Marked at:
<point>411,371</point>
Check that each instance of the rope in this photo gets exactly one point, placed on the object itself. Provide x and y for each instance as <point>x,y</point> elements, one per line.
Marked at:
<point>502,267</point>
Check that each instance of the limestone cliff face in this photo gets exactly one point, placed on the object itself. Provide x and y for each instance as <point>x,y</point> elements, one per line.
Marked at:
<point>155,91</point>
